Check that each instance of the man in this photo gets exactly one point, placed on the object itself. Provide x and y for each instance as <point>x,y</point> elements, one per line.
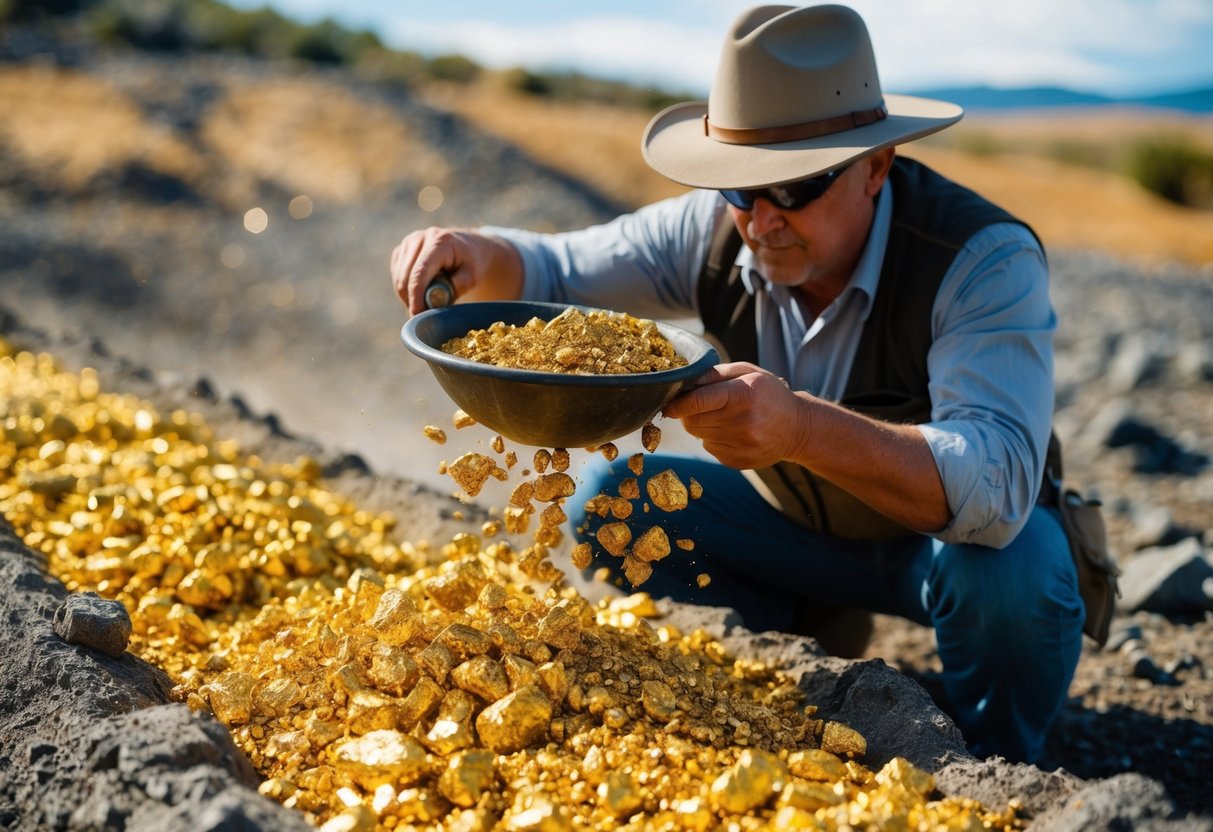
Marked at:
<point>882,421</point>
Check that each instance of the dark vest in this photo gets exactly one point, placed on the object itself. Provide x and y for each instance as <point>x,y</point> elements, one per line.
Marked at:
<point>933,218</point>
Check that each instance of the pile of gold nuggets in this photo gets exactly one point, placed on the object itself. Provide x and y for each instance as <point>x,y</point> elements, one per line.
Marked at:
<point>596,341</point>
<point>381,684</point>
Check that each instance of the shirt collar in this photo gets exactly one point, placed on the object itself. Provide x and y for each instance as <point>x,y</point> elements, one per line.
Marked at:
<point>865,278</point>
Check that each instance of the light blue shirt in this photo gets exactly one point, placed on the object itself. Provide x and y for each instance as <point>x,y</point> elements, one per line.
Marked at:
<point>990,364</point>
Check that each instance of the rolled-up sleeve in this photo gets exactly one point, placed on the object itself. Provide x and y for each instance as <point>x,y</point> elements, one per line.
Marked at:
<point>645,263</point>
<point>991,370</point>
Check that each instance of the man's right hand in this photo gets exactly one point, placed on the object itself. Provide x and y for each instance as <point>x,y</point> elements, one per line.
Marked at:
<point>479,266</point>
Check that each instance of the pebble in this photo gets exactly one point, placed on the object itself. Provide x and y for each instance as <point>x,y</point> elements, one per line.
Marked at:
<point>88,619</point>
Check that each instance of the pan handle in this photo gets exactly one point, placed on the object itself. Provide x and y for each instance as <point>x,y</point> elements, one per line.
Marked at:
<point>440,292</point>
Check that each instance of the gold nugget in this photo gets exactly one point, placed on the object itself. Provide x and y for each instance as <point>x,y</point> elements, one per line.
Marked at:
<point>667,491</point>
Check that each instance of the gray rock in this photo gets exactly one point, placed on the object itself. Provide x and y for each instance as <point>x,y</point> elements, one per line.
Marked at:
<point>87,618</point>
<point>892,711</point>
<point>1194,363</point>
<point>1124,802</point>
<point>1137,361</point>
<point>995,782</point>
<point>1154,526</point>
<point>1172,580</point>
<point>1122,635</point>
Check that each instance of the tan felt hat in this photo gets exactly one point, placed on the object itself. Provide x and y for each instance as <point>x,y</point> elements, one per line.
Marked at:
<point>796,94</point>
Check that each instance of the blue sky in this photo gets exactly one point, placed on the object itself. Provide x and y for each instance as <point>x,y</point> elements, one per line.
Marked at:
<point>1114,47</point>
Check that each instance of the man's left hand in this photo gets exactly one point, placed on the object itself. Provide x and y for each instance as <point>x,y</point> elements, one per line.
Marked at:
<point>746,416</point>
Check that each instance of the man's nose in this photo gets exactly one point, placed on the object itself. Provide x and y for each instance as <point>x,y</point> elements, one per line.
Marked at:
<point>765,218</point>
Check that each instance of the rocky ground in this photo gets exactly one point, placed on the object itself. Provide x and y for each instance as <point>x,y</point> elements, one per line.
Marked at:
<point>160,272</point>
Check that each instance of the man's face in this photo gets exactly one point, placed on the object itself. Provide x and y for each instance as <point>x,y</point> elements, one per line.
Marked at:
<point>817,246</point>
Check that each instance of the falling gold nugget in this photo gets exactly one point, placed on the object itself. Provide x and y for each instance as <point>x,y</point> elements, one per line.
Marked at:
<point>653,545</point>
<point>541,461</point>
<point>703,579</point>
<point>472,470</point>
<point>435,434</point>
<point>667,491</point>
<point>582,556</point>
<point>629,489</point>
<point>462,420</point>
<point>650,437</point>
<point>614,537</point>
<point>636,570</point>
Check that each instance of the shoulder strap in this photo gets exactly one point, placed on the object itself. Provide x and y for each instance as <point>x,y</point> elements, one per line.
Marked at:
<point>725,307</point>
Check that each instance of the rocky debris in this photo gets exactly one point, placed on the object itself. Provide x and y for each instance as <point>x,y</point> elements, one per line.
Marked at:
<point>1173,580</point>
<point>1127,801</point>
<point>1154,525</point>
<point>897,716</point>
<point>89,740</point>
<point>87,618</point>
<point>1154,452</point>
<point>996,782</point>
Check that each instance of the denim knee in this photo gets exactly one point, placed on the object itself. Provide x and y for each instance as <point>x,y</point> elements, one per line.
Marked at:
<point>1010,592</point>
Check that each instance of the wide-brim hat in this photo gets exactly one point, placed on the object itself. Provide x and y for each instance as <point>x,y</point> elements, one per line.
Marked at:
<point>796,94</point>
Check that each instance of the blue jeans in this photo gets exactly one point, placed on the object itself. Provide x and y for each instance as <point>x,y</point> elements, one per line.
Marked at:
<point>1008,622</point>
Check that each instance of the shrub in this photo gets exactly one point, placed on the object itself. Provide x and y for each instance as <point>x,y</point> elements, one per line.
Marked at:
<point>532,83</point>
<point>453,68</point>
<point>1174,168</point>
<point>979,143</point>
<point>390,65</point>
<point>1085,154</point>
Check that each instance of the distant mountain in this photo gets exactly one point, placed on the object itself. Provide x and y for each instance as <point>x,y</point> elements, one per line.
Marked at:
<point>1025,98</point>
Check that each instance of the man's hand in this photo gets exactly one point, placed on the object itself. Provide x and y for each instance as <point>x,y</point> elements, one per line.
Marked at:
<point>479,266</point>
<point>748,418</point>
<point>745,416</point>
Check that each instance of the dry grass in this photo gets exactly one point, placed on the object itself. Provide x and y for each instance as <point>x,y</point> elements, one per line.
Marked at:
<point>595,143</point>
<point>66,127</point>
<point>1070,206</point>
<point>1074,207</point>
<point>314,138</point>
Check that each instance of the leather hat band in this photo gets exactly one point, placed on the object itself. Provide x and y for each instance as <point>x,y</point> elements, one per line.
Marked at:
<point>794,132</point>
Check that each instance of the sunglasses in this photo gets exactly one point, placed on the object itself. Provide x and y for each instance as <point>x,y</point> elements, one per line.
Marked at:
<point>790,197</point>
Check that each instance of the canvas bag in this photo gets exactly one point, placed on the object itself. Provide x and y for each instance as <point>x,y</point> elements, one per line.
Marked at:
<point>1082,520</point>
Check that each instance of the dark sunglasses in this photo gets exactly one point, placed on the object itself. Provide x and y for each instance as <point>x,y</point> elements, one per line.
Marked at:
<point>790,197</point>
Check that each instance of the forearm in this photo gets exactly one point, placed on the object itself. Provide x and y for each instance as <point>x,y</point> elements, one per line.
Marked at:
<point>890,467</point>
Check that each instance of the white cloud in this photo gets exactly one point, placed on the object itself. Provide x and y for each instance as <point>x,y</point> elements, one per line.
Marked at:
<point>618,47</point>
<point>1100,45</point>
<point>1076,43</point>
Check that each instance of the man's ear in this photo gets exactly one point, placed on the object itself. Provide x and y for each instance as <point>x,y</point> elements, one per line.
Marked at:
<point>879,164</point>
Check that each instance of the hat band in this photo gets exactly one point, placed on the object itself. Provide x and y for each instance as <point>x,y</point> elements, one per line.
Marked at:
<point>794,132</point>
